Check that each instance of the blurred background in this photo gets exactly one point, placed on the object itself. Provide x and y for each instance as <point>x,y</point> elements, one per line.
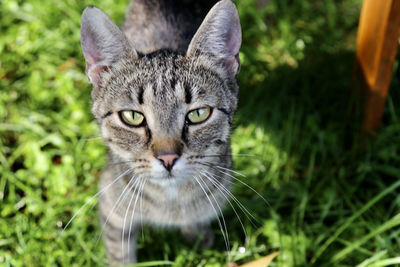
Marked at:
<point>333,196</point>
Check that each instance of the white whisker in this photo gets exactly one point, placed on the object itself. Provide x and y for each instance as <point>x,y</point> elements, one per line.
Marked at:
<point>117,203</point>
<point>124,223</point>
<point>133,212</point>
<point>217,168</point>
<point>98,193</point>
<point>140,207</point>
<point>221,186</point>
<point>230,170</point>
<point>241,206</point>
<point>229,155</point>
<point>224,229</point>
<point>245,155</point>
<point>93,138</point>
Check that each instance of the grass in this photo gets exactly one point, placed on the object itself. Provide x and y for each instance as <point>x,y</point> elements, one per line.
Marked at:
<point>333,198</point>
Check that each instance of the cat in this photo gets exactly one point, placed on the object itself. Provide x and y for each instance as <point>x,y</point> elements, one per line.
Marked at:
<point>164,96</point>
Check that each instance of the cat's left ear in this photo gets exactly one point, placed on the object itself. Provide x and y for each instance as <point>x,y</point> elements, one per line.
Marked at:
<point>219,36</point>
<point>102,43</point>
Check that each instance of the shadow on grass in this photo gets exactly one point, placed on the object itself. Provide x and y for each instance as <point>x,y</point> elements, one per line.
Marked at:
<point>319,86</point>
<point>309,113</point>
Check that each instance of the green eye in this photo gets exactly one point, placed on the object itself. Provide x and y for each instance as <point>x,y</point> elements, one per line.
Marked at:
<point>132,118</point>
<point>198,115</point>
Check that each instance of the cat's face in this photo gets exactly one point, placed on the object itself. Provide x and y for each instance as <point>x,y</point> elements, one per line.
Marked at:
<point>167,115</point>
<point>169,104</point>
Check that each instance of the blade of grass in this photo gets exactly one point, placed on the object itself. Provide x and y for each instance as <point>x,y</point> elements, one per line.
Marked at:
<point>352,218</point>
<point>363,251</point>
<point>384,227</point>
<point>386,262</point>
<point>372,259</point>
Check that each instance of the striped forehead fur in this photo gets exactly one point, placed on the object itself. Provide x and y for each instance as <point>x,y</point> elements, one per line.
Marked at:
<point>162,73</point>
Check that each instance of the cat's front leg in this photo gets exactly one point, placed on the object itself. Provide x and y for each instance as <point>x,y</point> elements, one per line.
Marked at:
<point>120,244</point>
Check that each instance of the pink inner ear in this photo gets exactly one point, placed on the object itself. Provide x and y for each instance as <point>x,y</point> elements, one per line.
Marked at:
<point>232,64</point>
<point>233,39</point>
<point>92,53</point>
<point>89,47</point>
<point>233,42</point>
<point>237,58</point>
<point>93,72</point>
<point>231,50</point>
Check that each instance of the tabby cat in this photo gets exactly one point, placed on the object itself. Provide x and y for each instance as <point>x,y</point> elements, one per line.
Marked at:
<point>164,95</point>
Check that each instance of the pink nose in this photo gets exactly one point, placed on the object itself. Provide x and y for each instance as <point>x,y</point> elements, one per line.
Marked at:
<point>168,160</point>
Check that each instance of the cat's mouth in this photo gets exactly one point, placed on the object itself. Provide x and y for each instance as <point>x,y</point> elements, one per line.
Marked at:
<point>170,176</point>
<point>178,175</point>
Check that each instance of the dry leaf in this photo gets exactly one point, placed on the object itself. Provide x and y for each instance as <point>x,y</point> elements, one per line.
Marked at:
<point>262,262</point>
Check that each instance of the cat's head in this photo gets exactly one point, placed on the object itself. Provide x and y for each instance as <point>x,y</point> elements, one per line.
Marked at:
<point>168,114</point>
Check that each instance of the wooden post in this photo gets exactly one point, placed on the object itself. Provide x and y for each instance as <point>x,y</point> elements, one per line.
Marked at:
<point>377,42</point>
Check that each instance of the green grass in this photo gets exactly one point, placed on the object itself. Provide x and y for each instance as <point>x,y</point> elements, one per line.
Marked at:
<point>333,198</point>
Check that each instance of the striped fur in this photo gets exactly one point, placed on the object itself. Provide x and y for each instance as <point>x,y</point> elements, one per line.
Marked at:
<point>150,71</point>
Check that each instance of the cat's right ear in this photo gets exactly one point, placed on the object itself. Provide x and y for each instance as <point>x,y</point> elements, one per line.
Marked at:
<point>219,35</point>
<point>102,43</point>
